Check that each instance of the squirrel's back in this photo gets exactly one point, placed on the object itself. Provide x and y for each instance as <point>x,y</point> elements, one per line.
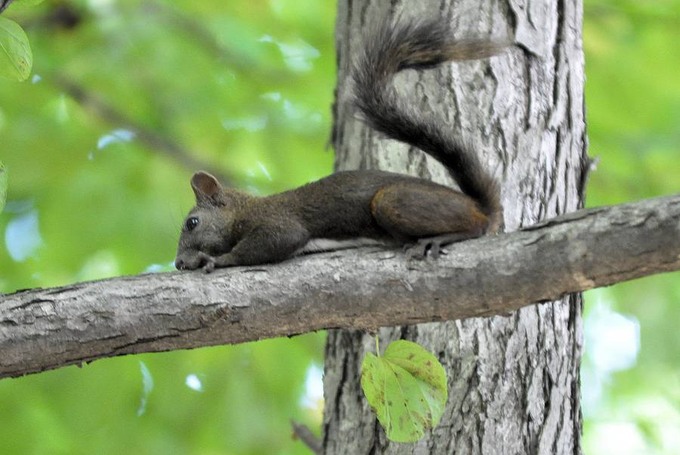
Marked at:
<point>423,44</point>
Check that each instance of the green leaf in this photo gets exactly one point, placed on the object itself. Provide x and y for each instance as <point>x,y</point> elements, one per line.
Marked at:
<point>16,59</point>
<point>3,187</point>
<point>406,387</point>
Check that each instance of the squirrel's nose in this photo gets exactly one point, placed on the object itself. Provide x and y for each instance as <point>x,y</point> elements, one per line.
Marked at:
<point>179,264</point>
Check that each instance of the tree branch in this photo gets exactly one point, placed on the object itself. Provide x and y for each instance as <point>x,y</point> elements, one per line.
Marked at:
<point>364,288</point>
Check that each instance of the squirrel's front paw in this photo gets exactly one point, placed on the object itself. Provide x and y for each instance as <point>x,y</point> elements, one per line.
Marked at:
<point>208,262</point>
<point>193,260</point>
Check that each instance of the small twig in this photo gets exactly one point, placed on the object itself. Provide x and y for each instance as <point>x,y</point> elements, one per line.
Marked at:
<point>304,434</point>
<point>203,37</point>
<point>150,138</point>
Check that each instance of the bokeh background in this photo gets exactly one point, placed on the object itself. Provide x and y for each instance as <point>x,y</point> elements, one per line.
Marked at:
<point>129,97</point>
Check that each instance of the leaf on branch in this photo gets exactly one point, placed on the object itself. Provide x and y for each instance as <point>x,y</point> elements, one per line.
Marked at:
<point>406,388</point>
<point>16,58</point>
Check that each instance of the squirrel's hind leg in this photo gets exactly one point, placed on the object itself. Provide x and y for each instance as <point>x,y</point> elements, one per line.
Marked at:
<point>428,215</point>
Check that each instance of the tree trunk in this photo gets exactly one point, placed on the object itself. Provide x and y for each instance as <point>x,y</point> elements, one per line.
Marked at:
<point>513,380</point>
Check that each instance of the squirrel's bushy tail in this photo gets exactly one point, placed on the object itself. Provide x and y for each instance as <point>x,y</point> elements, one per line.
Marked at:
<point>424,44</point>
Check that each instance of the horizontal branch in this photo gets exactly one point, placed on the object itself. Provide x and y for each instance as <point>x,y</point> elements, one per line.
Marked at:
<point>364,288</point>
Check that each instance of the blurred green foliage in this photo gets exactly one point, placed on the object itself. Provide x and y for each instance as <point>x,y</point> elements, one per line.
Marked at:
<point>633,108</point>
<point>128,97</point>
<point>243,87</point>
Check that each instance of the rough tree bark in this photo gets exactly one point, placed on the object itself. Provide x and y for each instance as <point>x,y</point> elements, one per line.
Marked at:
<point>365,288</point>
<point>513,381</point>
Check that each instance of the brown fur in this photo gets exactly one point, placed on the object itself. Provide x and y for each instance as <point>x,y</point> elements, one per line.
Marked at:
<point>228,227</point>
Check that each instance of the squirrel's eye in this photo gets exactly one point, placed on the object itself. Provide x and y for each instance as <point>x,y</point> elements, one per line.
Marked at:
<point>191,223</point>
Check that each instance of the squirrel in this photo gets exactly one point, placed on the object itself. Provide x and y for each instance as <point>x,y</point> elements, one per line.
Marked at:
<point>228,227</point>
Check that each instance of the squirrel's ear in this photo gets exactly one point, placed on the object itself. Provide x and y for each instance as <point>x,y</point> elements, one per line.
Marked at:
<point>206,188</point>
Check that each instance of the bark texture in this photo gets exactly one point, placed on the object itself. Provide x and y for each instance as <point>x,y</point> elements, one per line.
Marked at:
<point>361,289</point>
<point>513,381</point>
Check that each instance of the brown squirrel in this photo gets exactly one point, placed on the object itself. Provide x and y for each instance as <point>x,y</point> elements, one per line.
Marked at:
<point>229,228</point>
